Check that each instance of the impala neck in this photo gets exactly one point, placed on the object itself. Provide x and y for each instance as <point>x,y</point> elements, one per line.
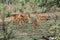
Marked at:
<point>20,13</point>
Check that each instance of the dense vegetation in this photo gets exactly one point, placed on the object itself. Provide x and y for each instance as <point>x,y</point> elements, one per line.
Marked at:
<point>9,31</point>
<point>35,5</point>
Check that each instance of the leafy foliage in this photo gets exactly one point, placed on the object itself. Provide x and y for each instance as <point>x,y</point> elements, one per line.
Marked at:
<point>9,32</point>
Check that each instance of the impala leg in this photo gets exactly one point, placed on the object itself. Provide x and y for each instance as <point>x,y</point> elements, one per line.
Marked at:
<point>47,22</point>
<point>17,24</point>
<point>34,27</point>
<point>12,20</point>
<point>26,23</point>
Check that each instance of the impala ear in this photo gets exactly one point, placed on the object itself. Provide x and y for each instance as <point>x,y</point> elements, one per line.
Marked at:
<point>21,15</point>
<point>20,10</point>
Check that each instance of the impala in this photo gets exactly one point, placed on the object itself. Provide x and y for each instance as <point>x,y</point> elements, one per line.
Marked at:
<point>16,17</point>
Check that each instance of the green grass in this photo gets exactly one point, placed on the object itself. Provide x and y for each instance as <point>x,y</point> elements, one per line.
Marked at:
<point>31,34</point>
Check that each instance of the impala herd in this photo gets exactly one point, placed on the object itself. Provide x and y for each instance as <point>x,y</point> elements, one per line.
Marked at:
<point>25,18</point>
<point>19,18</point>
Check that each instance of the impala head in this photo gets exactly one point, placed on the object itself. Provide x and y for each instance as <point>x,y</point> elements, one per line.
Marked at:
<point>20,11</point>
<point>27,14</point>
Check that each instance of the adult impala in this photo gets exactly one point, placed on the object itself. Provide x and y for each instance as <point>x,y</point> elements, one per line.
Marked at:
<point>17,17</point>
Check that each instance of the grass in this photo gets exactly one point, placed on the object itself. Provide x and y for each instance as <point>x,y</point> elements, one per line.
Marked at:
<point>31,34</point>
